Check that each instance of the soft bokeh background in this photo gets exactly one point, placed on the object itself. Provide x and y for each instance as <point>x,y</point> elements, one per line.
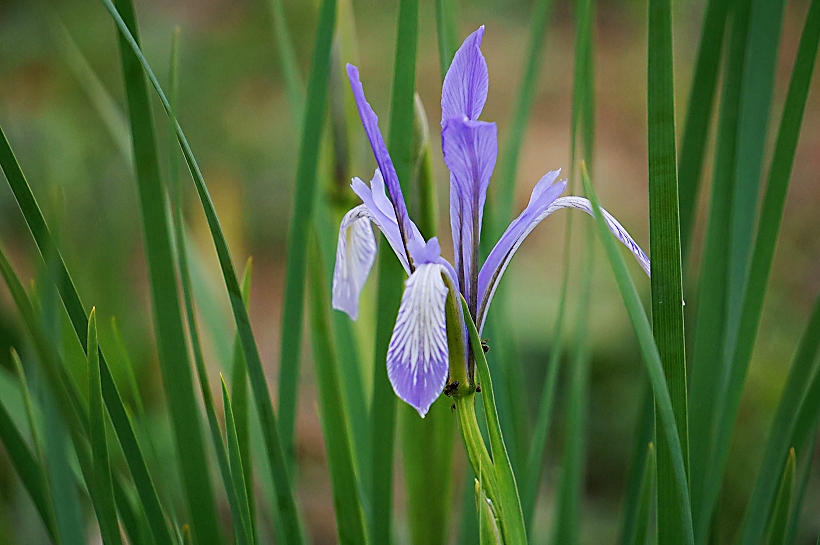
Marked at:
<point>236,115</point>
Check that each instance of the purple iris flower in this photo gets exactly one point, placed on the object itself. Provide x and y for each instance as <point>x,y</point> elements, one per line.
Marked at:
<point>417,357</point>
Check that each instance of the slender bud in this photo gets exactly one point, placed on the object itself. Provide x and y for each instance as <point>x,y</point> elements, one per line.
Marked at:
<point>422,190</point>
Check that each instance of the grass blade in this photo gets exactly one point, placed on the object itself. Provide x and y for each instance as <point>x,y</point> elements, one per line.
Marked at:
<point>509,504</point>
<point>236,498</point>
<point>699,114</point>
<point>237,471</point>
<point>103,482</point>
<point>567,528</point>
<point>771,216</point>
<point>664,241</point>
<point>284,493</point>
<point>287,58</point>
<point>241,403</point>
<point>645,502</point>
<point>74,307</point>
<point>776,532</point>
<point>765,23</point>
<point>126,364</point>
<point>350,522</point>
<point>708,365</point>
<point>782,429</point>
<point>652,359</point>
<point>643,436</point>
<point>802,484</point>
<point>29,469</point>
<point>447,31</point>
<point>174,361</point>
<point>300,222</point>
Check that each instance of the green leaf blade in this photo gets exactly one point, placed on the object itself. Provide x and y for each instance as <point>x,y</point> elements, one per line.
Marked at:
<point>652,359</point>
<point>103,482</point>
<point>665,249</point>
<point>300,222</point>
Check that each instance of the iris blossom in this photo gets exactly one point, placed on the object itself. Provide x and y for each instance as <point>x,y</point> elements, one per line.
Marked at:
<point>418,355</point>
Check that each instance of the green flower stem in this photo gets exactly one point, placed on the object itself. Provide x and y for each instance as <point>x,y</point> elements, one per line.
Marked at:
<point>474,444</point>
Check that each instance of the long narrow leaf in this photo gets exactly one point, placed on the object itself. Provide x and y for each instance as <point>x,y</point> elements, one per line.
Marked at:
<point>300,222</point>
<point>284,493</point>
<point>643,436</point>
<point>237,472</point>
<point>236,498</point>
<point>350,522</point>
<point>776,532</point>
<point>241,403</point>
<point>103,483</point>
<point>757,89</point>
<point>771,216</point>
<point>708,365</point>
<point>664,242</point>
<point>28,469</point>
<point>74,307</point>
<point>651,356</point>
<point>698,115</point>
<point>567,528</point>
<point>173,355</point>
<point>645,502</point>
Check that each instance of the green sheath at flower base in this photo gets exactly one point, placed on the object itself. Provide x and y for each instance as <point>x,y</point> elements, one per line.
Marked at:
<point>458,383</point>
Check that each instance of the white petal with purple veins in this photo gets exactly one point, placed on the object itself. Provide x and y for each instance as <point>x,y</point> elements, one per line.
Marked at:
<point>355,253</point>
<point>417,357</point>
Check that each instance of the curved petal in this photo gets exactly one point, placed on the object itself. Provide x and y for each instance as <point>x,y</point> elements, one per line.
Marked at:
<point>543,195</point>
<point>355,254</point>
<point>465,86</point>
<point>543,202</point>
<point>470,151</point>
<point>614,225</point>
<point>370,121</point>
<point>417,357</point>
<point>382,214</point>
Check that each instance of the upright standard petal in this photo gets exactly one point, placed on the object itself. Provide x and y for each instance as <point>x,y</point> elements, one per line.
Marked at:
<point>417,357</point>
<point>543,202</point>
<point>370,121</point>
<point>464,90</point>
<point>470,152</point>
<point>355,253</point>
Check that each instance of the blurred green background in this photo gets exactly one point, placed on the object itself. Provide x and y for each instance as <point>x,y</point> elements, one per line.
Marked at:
<point>235,113</point>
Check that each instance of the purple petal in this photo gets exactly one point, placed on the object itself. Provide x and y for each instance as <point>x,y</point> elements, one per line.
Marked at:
<point>371,127</point>
<point>543,202</point>
<point>614,225</point>
<point>417,357</point>
<point>543,195</point>
<point>464,91</point>
<point>382,214</point>
<point>424,253</point>
<point>470,151</point>
<point>355,253</point>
